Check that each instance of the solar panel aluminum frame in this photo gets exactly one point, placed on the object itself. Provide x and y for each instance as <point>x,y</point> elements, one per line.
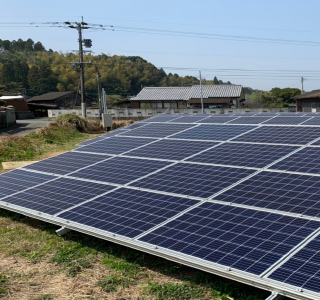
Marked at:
<point>213,268</point>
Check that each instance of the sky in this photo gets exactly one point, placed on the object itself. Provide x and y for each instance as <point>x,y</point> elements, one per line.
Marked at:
<point>255,43</point>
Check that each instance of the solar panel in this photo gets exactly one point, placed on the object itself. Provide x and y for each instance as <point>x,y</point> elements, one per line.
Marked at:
<point>279,120</point>
<point>57,195</point>
<point>115,145</point>
<point>189,119</point>
<point>281,135</point>
<point>171,149</point>
<point>157,130</point>
<point>312,121</point>
<point>239,154</point>
<point>249,120</point>
<point>217,119</point>
<point>232,194</point>
<point>192,179</point>
<point>66,163</point>
<point>278,191</point>
<point>302,269</point>
<point>120,170</point>
<point>239,238</point>
<point>213,132</point>
<point>303,161</point>
<point>161,118</point>
<point>128,212</point>
<point>19,180</point>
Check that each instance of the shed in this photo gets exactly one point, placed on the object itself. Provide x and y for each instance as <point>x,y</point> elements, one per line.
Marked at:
<point>308,102</point>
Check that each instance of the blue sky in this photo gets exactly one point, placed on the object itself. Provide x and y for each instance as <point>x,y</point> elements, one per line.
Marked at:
<point>256,43</point>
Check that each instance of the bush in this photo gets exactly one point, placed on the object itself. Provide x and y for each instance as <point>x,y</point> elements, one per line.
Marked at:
<point>79,123</point>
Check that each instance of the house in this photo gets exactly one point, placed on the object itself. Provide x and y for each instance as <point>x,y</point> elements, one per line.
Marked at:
<point>18,102</point>
<point>53,100</point>
<point>224,96</point>
<point>308,102</point>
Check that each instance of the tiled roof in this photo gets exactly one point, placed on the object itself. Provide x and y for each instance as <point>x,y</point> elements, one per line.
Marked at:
<point>312,94</point>
<point>162,93</point>
<point>216,91</point>
<point>49,96</point>
<point>186,93</point>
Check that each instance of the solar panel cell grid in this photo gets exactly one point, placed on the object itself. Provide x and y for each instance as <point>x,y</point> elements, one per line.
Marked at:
<point>217,120</point>
<point>115,145</point>
<point>128,212</point>
<point>19,180</point>
<point>65,163</point>
<point>304,161</point>
<point>171,149</point>
<point>120,170</point>
<point>213,132</point>
<point>240,238</point>
<point>248,155</point>
<point>286,120</point>
<point>302,269</point>
<point>192,180</point>
<point>157,130</point>
<point>57,195</point>
<point>281,135</point>
<point>189,119</point>
<point>279,191</point>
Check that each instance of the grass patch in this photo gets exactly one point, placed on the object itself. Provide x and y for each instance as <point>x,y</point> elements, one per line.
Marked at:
<point>75,258</point>
<point>113,282</point>
<point>44,297</point>
<point>62,135</point>
<point>172,291</point>
<point>3,286</point>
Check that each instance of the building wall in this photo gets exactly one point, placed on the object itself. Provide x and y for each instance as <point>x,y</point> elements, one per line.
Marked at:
<point>19,105</point>
<point>306,105</point>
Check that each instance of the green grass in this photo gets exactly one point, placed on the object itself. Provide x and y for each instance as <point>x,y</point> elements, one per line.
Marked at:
<point>3,287</point>
<point>44,297</point>
<point>124,267</point>
<point>172,291</point>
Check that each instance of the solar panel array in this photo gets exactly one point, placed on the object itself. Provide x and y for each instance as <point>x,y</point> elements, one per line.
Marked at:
<point>237,195</point>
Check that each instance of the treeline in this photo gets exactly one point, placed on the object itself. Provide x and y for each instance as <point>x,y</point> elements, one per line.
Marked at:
<point>26,66</point>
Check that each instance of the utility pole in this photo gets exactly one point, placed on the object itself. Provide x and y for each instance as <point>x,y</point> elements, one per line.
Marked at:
<point>99,94</point>
<point>87,43</point>
<point>201,94</point>
<point>302,85</point>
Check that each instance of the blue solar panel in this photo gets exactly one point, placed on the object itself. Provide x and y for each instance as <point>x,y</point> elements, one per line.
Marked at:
<point>217,119</point>
<point>66,163</point>
<point>249,120</point>
<point>120,170</point>
<point>279,120</point>
<point>57,195</point>
<point>302,269</point>
<point>239,238</point>
<point>157,130</point>
<point>19,180</point>
<point>128,212</point>
<point>312,121</point>
<point>115,145</point>
<point>161,118</point>
<point>189,119</point>
<point>303,161</point>
<point>193,180</point>
<point>213,132</point>
<point>171,149</point>
<point>281,135</point>
<point>279,191</point>
<point>238,154</point>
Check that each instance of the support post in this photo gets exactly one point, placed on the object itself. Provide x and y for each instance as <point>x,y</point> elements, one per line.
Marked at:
<point>62,231</point>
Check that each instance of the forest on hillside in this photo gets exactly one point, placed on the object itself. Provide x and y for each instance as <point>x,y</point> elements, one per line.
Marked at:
<point>27,67</point>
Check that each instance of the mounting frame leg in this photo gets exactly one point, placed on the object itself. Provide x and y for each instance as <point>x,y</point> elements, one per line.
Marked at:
<point>62,231</point>
<point>275,296</point>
